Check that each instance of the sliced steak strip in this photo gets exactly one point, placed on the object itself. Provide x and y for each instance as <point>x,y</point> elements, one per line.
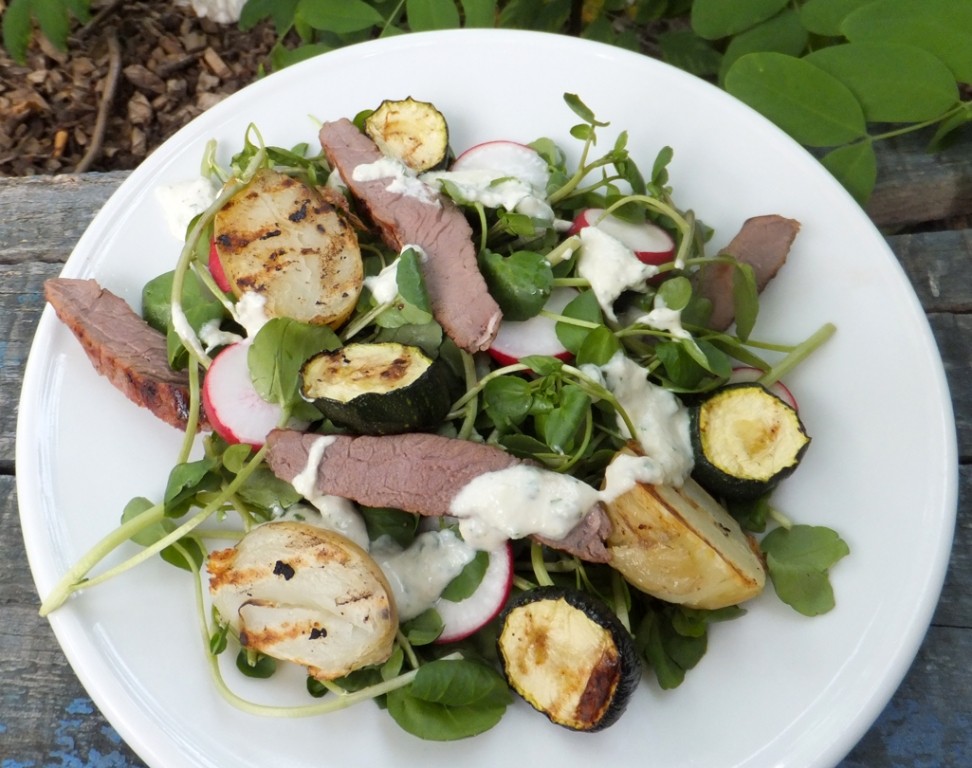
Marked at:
<point>122,347</point>
<point>460,299</point>
<point>419,473</point>
<point>763,242</point>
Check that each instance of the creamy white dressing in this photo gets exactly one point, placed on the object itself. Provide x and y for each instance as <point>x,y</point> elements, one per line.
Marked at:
<point>401,179</point>
<point>184,200</point>
<point>660,420</point>
<point>384,285</point>
<point>418,574</point>
<point>212,336</point>
<point>334,513</point>
<point>250,312</point>
<point>610,267</point>
<point>519,501</point>
<point>664,318</point>
<point>478,185</point>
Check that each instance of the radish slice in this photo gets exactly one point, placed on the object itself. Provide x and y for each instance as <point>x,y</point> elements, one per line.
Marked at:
<point>651,243</point>
<point>233,406</point>
<point>516,339</point>
<point>468,616</point>
<point>746,374</point>
<point>216,268</point>
<point>506,158</point>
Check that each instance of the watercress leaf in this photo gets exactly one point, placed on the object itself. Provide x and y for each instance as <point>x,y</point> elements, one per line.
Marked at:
<point>235,456</point>
<point>582,132</point>
<point>266,492</point>
<point>217,640</point>
<point>255,665</point>
<point>186,553</point>
<point>424,628</point>
<point>542,365</point>
<point>579,108</point>
<point>507,400</point>
<point>402,314</point>
<point>520,282</point>
<point>894,83</point>
<point>680,370</point>
<point>751,514</point>
<point>815,108</point>
<point>440,722</point>
<point>461,683</point>
<point>398,525</point>
<point>659,169</point>
<point>562,424</point>
<point>685,650</point>
<point>745,299</point>
<point>598,347</point>
<point>425,336</point>
<point>411,285</point>
<point>824,17</point>
<point>393,665</point>
<point>942,27</point>
<point>798,560</point>
<point>584,308</point>
<point>685,49</point>
<point>157,300</point>
<point>855,167</point>
<point>185,481</point>
<point>277,353</point>
<point>524,446</point>
<point>714,19</point>
<point>648,639</point>
<point>340,18</point>
<point>426,15</point>
<point>782,33</point>
<point>676,292</point>
<point>478,13</point>
<point>469,578</point>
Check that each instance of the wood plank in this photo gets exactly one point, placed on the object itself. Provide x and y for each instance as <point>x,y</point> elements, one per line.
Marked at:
<point>46,718</point>
<point>44,216</point>
<point>21,302</point>
<point>915,186</point>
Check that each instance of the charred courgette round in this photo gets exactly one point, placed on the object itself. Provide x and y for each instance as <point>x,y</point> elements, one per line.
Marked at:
<point>746,440</point>
<point>378,389</point>
<point>567,655</point>
<point>414,132</point>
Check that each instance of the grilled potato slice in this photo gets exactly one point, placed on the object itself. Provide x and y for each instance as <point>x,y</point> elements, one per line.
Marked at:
<point>304,594</point>
<point>681,545</point>
<point>281,239</point>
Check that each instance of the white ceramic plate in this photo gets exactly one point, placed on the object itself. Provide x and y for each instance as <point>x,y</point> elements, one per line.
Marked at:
<point>775,688</point>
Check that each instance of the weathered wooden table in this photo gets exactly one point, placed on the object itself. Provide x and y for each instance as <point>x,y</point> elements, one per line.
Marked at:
<point>46,719</point>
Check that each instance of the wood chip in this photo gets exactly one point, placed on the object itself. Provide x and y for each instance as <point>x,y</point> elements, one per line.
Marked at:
<point>216,65</point>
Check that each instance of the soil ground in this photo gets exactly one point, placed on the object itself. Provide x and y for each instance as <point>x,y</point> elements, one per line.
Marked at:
<point>129,79</point>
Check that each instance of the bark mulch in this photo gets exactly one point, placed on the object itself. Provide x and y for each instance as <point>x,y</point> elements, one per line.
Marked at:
<point>129,79</point>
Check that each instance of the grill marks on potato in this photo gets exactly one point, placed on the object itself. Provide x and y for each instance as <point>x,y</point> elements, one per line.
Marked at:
<point>282,239</point>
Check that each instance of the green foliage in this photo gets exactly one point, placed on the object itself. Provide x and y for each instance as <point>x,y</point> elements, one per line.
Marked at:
<point>837,75</point>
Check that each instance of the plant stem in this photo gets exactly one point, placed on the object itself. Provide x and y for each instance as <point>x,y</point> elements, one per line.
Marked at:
<point>797,355</point>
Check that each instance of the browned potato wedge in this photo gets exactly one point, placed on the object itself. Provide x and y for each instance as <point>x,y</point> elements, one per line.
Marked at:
<point>279,238</point>
<point>681,545</point>
<point>307,595</point>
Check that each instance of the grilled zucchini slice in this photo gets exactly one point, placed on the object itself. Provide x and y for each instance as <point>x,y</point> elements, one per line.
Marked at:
<point>567,655</point>
<point>414,132</point>
<point>746,440</point>
<point>378,389</point>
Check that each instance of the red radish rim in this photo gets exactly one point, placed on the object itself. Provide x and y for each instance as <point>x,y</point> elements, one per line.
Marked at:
<point>458,619</point>
<point>237,392</point>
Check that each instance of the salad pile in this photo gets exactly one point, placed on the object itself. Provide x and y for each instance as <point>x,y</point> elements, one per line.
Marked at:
<point>437,496</point>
